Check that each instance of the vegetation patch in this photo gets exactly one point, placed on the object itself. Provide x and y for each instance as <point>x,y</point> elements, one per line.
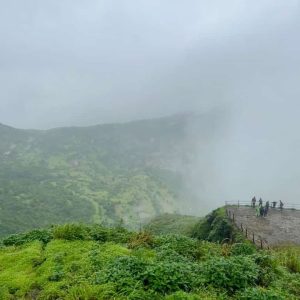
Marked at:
<point>95,262</point>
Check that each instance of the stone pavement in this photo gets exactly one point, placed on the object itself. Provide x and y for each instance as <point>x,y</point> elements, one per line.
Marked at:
<point>277,228</point>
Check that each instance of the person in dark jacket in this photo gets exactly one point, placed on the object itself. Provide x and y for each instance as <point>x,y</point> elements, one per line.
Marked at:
<point>265,211</point>
<point>261,210</point>
<point>280,205</point>
<point>267,206</point>
<point>253,201</point>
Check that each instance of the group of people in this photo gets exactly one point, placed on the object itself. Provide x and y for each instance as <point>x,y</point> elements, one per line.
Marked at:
<point>262,210</point>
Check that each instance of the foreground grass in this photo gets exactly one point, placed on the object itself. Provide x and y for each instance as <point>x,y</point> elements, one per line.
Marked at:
<point>92,262</point>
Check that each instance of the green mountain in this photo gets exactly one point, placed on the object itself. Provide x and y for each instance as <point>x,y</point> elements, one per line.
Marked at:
<point>104,174</point>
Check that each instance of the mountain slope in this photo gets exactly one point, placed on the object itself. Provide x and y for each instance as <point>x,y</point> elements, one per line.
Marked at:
<point>99,174</point>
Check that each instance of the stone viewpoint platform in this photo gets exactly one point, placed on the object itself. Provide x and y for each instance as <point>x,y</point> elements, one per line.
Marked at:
<point>278,227</point>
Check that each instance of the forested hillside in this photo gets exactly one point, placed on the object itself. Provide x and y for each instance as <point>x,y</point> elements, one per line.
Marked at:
<point>105,174</point>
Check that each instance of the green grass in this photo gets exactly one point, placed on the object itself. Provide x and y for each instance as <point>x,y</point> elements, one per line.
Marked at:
<point>112,263</point>
<point>172,223</point>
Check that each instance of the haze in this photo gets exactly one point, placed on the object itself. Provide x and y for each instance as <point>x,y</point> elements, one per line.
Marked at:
<point>66,63</point>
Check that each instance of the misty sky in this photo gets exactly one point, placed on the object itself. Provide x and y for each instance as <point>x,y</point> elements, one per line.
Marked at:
<point>73,62</point>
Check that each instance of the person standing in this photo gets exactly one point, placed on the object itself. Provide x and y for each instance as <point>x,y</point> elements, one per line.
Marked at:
<point>260,202</point>
<point>274,203</point>
<point>257,209</point>
<point>267,208</point>
<point>280,205</point>
<point>261,210</point>
<point>253,202</point>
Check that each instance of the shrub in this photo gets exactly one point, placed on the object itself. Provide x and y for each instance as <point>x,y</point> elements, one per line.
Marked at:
<point>290,283</point>
<point>142,239</point>
<point>259,294</point>
<point>71,232</point>
<point>291,260</point>
<point>121,267</point>
<point>56,275</point>
<point>105,254</point>
<point>183,245</point>
<point>166,277</point>
<point>242,249</point>
<point>19,239</point>
<point>267,268</point>
<point>208,250</point>
<point>216,228</point>
<point>125,273</point>
<point>99,233</point>
<point>119,235</point>
<point>221,230</point>
<point>232,273</point>
<point>166,254</point>
<point>161,277</point>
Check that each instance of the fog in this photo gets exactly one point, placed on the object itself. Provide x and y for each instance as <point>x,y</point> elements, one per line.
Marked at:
<point>74,62</point>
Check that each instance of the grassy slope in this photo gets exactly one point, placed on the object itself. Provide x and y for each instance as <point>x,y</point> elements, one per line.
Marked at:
<point>93,262</point>
<point>81,262</point>
<point>94,174</point>
<point>172,223</point>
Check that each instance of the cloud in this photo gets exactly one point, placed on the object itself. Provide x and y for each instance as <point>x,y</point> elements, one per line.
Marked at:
<point>77,62</point>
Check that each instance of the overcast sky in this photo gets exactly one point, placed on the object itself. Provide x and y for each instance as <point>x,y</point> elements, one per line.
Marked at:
<point>74,62</point>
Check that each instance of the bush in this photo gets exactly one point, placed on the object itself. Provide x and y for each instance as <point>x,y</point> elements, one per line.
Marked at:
<point>242,249</point>
<point>121,267</point>
<point>222,230</point>
<point>142,239</point>
<point>71,232</point>
<point>290,283</point>
<point>105,234</point>
<point>170,255</point>
<point>19,239</point>
<point>267,268</point>
<point>161,277</point>
<point>99,233</point>
<point>208,250</point>
<point>291,260</point>
<point>232,273</point>
<point>119,235</point>
<point>259,294</point>
<point>166,277</point>
<point>216,228</point>
<point>183,245</point>
<point>126,274</point>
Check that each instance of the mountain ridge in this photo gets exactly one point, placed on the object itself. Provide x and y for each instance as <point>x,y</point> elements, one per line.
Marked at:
<point>103,173</point>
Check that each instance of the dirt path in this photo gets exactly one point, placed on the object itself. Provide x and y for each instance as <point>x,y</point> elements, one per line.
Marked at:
<point>277,228</point>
